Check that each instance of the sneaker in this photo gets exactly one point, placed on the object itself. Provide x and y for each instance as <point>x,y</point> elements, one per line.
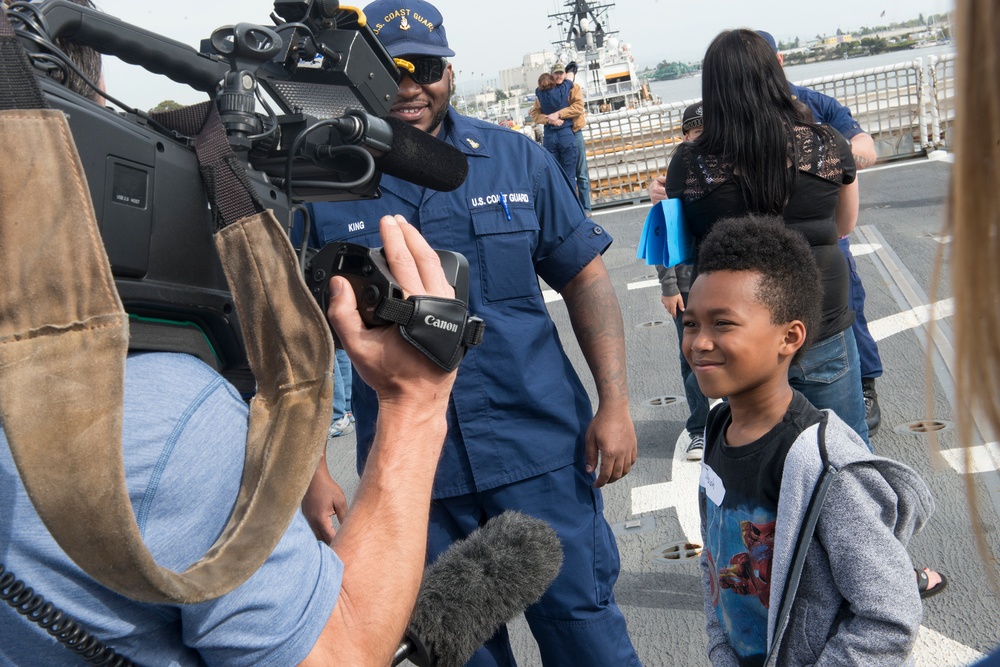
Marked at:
<point>695,449</point>
<point>340,427</point>
<point>350,415</point>
<point>873,414</point>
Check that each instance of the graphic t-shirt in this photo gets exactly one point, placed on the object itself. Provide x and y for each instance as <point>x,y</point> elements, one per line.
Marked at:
<point>738,497</point>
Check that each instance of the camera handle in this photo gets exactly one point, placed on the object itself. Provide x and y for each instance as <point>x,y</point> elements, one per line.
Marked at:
<point>134,45</point>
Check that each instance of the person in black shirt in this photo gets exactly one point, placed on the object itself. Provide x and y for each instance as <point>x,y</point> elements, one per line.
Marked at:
<point>761,154</point>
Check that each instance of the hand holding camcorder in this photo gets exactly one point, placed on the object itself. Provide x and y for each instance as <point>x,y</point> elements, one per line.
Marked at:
<point>440,328</point>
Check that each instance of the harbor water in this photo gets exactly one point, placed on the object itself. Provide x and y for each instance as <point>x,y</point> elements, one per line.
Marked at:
<point>689,88</point>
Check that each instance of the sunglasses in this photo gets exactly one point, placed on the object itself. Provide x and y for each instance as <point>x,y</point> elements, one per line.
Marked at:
<point>422,70</point>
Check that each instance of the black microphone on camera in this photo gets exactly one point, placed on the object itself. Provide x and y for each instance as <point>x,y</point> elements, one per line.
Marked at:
<point>403,151</point>
<point>476,586</point>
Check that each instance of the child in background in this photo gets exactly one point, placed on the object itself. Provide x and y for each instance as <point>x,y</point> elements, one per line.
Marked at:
<point>748,317</point>
<point>675,282</point>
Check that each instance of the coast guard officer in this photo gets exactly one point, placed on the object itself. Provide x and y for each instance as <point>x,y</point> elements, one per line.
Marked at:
<point>521,433</point>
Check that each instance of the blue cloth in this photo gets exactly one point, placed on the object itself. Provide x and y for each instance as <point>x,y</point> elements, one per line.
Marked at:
<point>184,433</point>
<point>559,140</point>
<point>828,110</point>
<point>577,621</point>
<point>342,377</point>
<point>582,175</point>
<point>518,408</point>
<point>554,99</point>
<point>992,660</point>
<point>697,402</point>
<point>829,375</point>
<point>871,361</point>
<point>562,145</point>
<point>666,240</point>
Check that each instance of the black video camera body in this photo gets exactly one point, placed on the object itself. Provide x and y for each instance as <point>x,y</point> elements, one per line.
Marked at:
<point>440,328</point>
<point>367,271</point>
<point>318,64</point>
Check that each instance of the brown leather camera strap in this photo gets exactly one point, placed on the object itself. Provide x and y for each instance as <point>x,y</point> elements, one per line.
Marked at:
<point>63,342</point>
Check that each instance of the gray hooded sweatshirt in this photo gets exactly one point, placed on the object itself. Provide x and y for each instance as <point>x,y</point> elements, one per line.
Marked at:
<point>857,602</point>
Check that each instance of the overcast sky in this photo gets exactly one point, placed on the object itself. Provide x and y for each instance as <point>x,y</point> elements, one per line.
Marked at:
<point>490,36</point>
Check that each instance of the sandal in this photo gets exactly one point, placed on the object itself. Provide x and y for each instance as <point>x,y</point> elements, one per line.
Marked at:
<point>923,581</point>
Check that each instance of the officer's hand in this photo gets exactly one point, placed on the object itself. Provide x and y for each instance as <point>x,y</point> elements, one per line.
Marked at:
<point>658,189</point>
<point>323,501</point>
<point>397,371</point>
<point>612,435</point>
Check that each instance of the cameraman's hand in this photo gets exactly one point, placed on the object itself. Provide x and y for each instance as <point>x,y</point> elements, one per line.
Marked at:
<point>383,540</point>
<point>402,376</point>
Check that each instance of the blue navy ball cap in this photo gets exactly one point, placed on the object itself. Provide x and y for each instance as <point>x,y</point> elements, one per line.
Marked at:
<point>408,28</point>
<point>769,39</point>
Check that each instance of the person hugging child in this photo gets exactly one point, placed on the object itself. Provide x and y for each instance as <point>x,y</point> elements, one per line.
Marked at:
<point>805,530</point>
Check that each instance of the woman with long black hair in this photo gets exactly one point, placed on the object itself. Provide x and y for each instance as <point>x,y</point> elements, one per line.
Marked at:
<point>761,154</point>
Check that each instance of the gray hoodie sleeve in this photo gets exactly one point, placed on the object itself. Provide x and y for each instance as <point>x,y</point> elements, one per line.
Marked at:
<point>674,280</point>
<point>668,281</point>
<point>863,529</point>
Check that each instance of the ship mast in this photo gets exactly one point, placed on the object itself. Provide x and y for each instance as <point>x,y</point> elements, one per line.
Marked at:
<point>583,25</point>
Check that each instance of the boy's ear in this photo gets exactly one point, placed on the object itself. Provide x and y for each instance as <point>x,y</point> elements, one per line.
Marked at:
<point>795,338</point>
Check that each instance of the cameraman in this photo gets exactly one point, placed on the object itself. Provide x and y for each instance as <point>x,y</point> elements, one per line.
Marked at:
<point>184,430</point>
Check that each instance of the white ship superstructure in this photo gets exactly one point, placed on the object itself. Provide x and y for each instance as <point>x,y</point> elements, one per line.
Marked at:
<point>607,71</point>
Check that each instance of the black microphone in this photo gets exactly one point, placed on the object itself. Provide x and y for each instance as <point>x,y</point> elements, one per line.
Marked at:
<point>403,151</point>
<point>476,586</point>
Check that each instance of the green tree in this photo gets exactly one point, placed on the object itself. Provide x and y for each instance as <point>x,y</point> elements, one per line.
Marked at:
<point>875,44</point>
<point>166,105</point>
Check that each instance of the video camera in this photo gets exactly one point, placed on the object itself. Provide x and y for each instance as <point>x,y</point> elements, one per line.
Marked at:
<point>333,84</point>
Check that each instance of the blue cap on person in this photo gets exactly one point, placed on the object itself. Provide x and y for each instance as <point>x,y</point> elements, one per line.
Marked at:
<point>769,39</point>
<point>408,28</point>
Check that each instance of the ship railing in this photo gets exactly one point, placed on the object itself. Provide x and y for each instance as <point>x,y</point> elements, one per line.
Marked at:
<point>907,108</point>
<point>615,89</point>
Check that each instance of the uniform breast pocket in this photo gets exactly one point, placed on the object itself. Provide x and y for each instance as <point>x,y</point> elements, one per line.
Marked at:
<point>505,252</point>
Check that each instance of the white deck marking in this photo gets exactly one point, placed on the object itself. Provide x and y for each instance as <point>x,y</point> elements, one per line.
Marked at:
<point>643,284</point>
<point>931,646</point>
<point>911,319</point>
<point>982,461</point>
<point>680,493</point>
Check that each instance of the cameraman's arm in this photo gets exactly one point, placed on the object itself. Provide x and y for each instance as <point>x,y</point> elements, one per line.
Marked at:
<point>383,539</point>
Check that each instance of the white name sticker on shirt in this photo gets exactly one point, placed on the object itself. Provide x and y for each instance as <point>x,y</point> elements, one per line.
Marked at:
<point>712,484</point>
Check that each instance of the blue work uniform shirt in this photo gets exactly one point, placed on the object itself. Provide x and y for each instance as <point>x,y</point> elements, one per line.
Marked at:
<point>518,408</point>
<point>828,110</point>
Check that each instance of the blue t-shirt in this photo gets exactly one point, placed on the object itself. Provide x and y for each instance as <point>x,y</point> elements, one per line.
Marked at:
<point>518,408</point>
<point>184,438</point>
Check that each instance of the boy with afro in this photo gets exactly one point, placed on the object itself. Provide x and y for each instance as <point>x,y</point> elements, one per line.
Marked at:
<point>805,530</point>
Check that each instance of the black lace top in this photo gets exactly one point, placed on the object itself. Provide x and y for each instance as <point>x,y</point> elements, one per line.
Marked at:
<point>710,191</point>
